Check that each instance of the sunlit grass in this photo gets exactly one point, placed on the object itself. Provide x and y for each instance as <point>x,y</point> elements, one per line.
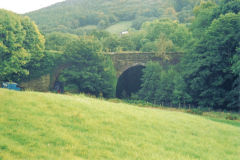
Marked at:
<point>119,27</point>
<point>49,126</point>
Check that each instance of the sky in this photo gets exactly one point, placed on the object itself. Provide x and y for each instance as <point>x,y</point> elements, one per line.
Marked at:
<point>24,6</point>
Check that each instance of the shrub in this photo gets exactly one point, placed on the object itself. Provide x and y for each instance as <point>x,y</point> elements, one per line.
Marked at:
<point>231,117</point>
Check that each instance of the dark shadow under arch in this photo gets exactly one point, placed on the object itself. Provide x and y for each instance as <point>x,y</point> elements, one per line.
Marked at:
<point>129,82</point>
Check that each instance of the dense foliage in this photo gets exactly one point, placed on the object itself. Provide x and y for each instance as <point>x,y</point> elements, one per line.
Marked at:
<point>209,71</point>
<point>21,47</point>
<point>88,70</point>
<point>162,86</point>
<point>58,41</point>
<point>159,36</point>
<point>209,75</point>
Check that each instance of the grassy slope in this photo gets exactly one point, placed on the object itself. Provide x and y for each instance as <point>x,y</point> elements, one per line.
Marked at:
<point>119,27</point>
<point>48,126</point>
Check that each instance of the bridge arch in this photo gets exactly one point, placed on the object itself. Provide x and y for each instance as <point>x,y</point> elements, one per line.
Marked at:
<point>129,82</point>
<point>125,68</point>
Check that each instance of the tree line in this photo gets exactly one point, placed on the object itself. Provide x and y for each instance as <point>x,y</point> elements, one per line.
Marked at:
<point>208,74</point>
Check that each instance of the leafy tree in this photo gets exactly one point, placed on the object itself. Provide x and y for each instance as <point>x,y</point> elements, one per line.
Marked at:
<point>111,43</point>
<point>137,23</point>
<point>203,17</point>
<point>148,47</point>
<point>150,79</point>
<point>34,43</point>
<point>126,43</point>
<point>235,93</point>
<point>181,4</point>
<point>138,39</point>
<point>166,35</point>
<point>100,34</point>
<point>170,13</point>
<point>162,85</point>
<point>209,77</point>
<point>21,46</point>
<point>164,92</point>
<point>228,6</point>
<point>180,96</point>
<point>58,41</point>
<point>163,45</point>
<point>89,70</point>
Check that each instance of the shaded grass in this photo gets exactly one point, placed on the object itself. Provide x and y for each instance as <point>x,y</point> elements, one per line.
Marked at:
<point>49,126</point>
<point>230,122</point>
<point>232,118</point>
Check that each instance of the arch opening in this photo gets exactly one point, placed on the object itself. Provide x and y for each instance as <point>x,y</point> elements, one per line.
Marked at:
<point>58,87</point>
<point>129,82</point>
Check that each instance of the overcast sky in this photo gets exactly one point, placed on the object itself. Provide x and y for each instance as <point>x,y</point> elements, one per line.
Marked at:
<point>23,6</point>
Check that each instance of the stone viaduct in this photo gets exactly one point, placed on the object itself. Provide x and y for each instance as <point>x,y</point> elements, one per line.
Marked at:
<point>121,61</point>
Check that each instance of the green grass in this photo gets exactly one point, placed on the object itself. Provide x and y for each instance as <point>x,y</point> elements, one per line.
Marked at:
<point>119,27</point>
<point>48,126</point>
<point>89,27</point>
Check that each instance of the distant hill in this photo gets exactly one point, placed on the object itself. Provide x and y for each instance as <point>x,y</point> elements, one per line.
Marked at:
<point>75,16</point>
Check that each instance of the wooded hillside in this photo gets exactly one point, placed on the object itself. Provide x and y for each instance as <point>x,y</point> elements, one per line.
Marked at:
<point>72,15</point>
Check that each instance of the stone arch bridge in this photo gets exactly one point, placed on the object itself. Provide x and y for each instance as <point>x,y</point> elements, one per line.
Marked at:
<point>122,62</point>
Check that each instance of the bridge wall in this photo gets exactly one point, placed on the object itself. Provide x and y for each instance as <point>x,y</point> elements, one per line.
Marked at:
<point>121,61</point>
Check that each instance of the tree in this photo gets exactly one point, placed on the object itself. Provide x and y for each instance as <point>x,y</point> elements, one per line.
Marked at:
<point>89,70</point>
<point>126,43</point>
<point>203,18</point>
<point>164,92</point>
<point>58,41</point>
<point>209,75</point>
<point>163,46</point>
<point>111,43</point>
<point>137,39</point>
<point>228,6</point>
<point>34,43</point>
<point>150,80</point>
<point>180,96</point>
<point>235,93</point>
<point>160,85</point>
<point>21,46</point>
<point>166,35</point>
<point>100,34</point>
<point>180,4</point>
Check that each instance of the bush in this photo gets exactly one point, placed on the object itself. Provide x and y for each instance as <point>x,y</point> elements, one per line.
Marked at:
<point>90,72</point>
<point>196,111</point>
<point>231,117</point>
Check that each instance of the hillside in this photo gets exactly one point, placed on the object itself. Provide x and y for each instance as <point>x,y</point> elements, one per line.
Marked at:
<point>72,15</point>
<point>49,126</point>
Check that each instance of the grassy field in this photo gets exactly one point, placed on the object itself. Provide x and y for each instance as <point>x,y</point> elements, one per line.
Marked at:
<point>89,27</point>
<point>119,27</point>
<point>48,126</point>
